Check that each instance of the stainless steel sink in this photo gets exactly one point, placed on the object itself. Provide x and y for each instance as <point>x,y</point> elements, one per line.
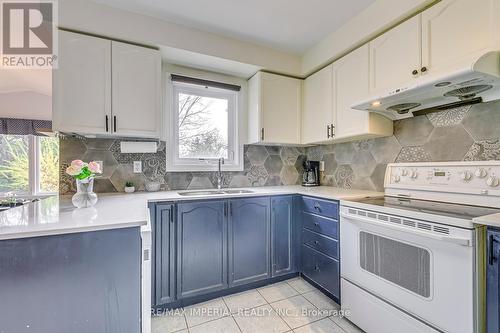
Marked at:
<point>213,192</point>
<point>238,191</point>
<point>195,193</point>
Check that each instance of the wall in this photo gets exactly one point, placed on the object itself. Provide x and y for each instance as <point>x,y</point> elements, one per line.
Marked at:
<point>263,166</point>
<point>25,105</point>
<point>380,16</point>
<point>465,133</point>
<point>91,17</point>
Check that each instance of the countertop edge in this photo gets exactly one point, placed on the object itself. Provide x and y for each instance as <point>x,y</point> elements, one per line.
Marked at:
<point>70,230</point>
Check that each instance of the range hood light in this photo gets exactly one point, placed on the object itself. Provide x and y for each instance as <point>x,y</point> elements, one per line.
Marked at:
<point>376,103</point>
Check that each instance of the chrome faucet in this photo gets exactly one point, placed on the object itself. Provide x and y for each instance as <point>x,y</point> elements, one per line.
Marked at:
<point>219,173</point>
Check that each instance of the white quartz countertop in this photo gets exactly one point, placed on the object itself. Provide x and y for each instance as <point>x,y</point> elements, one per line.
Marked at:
<point>56,215</point>
<point>492,220</point>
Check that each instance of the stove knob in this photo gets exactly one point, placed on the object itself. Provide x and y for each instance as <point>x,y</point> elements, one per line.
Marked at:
<point>466,175</point>
<point>492,181</point>
<point>481,173</point>
<point>404,172</point>
<point>397,179</point>
<point>414,174</point>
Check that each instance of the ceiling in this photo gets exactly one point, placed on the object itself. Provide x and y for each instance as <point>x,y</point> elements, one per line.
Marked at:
<point>288,25</point>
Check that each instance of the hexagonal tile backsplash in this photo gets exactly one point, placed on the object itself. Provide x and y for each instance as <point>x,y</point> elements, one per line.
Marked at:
<point>465,133</point>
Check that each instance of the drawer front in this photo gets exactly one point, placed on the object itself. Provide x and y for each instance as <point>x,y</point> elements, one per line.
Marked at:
<point>321,225</point>
<point>326,245</point>
<point>325,208</point>
<point>321,269</point>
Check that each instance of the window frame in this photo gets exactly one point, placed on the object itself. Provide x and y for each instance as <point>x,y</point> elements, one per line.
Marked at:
<point>34,152</point>
<point>234,162</point>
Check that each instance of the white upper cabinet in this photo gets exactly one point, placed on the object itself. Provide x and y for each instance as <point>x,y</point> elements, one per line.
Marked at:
<point>455,31</point>
<point>444,38</point>
<point>350,84</point>
<point>82,85</point>
<point>274,109</point>
<point>395,57</point>
<point>317,115</point>
<point>106,88</point>
<point>136,90</point>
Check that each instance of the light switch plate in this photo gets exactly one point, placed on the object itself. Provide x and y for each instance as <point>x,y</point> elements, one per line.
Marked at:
<point>101,165</point>
<point>321,165</point>
<point>137,166</point>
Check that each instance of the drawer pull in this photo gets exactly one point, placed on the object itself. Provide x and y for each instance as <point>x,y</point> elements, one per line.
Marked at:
<point>316,268</point>
<point>317,206</point>
<point>316,242</point>
<point>316,224</point>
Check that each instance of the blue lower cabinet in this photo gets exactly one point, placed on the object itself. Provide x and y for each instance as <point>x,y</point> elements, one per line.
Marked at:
<point>201,247</point>
<point>204,247</point>
<point>79,283</point>
<point>249,240</point>
<point>320,258</point>
<point>493,282</point>
<point>163,277</point>
<point>283,235</point>
<point>321,269</point>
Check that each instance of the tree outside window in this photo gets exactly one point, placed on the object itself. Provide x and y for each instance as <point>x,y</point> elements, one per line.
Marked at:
<point>16,152</point>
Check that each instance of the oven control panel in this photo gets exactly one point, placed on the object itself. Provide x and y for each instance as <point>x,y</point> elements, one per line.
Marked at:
<point>454,175</point>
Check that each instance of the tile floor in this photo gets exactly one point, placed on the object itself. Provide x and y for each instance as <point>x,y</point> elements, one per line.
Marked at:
<point>290,306</point>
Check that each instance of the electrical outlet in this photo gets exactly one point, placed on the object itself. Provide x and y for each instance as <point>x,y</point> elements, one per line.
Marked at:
<point>321,165</point>
<point>137,166</point>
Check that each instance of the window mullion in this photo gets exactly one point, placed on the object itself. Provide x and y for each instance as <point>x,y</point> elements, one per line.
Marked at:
<point>34,174</point>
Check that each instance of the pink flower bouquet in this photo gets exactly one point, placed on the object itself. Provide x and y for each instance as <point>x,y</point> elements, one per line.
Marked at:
<point>81,170</point>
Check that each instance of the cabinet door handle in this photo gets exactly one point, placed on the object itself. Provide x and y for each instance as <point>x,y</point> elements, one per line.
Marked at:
<point>107,123</point>
<point>114,123</point>
<point>491,254</point>
<point>328,131</point>
<point>262,133</point>
<point>230,209</point>
<point>415,72</point>
<point>332,129</point>
<point>171,216</point>
<point>316,224</point>
<point>225,209</point>
<point>423,69</point>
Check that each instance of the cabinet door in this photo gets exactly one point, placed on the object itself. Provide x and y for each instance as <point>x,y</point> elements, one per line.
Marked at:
<point>350,85</point>
<point>136,90</point>
<point>164,254</point>
<point>493,282</point>
<point>249,240</point>
<point>455,31</point>
<point>82,85</point>
<point>201,247</point>
<point>282,233</point>
<point>318,111</point>
<point>280,108</point>
<point>395,55</point>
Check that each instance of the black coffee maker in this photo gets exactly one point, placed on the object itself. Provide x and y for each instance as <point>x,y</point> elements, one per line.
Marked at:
<point>311,173</point>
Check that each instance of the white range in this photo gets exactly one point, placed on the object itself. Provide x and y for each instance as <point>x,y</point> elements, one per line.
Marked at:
<point>411,260</point>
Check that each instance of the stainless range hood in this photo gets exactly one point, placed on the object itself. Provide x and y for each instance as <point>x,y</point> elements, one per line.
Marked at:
<point>474,83</point>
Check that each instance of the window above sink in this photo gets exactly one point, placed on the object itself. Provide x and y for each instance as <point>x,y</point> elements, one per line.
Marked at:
<point>204,115</point>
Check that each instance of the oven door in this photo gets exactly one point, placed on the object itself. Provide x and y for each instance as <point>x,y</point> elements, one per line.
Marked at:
<point>428,274</point>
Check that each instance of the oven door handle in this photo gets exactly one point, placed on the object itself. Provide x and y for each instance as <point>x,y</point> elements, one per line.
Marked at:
<point>455,240</point>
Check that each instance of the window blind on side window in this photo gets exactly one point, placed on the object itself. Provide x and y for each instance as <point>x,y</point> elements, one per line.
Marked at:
<point>206,83</point>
